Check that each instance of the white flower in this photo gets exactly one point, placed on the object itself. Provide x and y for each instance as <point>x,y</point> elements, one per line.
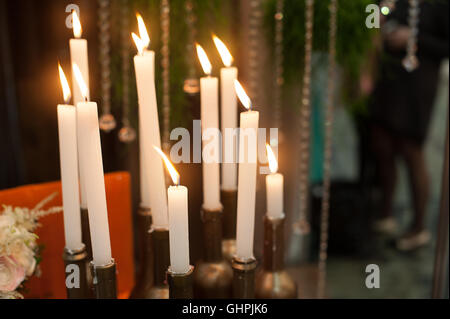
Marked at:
<point>6,220</point>
<point>25,258</point>
<point>18,244</point>
<point>11,274</point>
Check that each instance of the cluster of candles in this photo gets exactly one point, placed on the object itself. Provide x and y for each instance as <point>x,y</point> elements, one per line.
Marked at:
<point>82,166</point>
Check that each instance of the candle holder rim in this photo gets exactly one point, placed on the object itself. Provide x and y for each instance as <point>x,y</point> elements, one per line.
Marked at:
<point>144,210</point>
<point>228,190</point>
<point>104,266</point>
<point>244,264</point>
<point>217,210</point>
<point>275,219</point>
<point>158,228</point>
<point>178,274</point>
<point>75,251</point>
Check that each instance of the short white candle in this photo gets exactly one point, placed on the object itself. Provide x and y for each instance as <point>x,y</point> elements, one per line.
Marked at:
<point>178,221</point>
<point>79,56</point>
<point>274,187</point>
<point>209,98</point>
<point>246,178</point>
<point>91,154</point>
<point>67,132</point>
<point>229,117</point>
<point>153,186</point>
<point>178,229</point>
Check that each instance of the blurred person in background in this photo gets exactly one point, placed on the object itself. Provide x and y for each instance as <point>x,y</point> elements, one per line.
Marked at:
<point>400,109</point>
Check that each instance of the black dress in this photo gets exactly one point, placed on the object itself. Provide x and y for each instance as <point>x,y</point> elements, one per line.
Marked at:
<point>402,102</point>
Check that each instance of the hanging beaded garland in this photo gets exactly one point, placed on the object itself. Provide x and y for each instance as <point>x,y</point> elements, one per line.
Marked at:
<point>255,21</point>
<point>107,122</point>
<point>191,84</point>
<point>301,226</point>
<point>165,65</point>
<point>411,62</point>
<point>278,83</point>
<point>127,133</point>
<point>324,217</point>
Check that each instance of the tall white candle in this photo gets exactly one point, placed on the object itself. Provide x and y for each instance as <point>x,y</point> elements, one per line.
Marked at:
<point>274,187</point>
<point>91,154</point>
<point>178,221</point>
<point>246,178</point>
<point>228,117</point>
<point>153,187</point>
<point>79,56</point>
<point>67,132</point>
<point>209,98</point>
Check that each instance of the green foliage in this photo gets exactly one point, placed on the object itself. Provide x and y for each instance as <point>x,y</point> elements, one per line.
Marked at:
<point>353,37</point>
<point>215,16</point>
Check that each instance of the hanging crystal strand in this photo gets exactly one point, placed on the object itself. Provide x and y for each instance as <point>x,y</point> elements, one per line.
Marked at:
<point>165,65</point>
<point>127,133</point>
<point>191,84</point>
<point>411,62</point>
<point>107,122</point>
<point>255,21</point>
<point>278,84</point>
<point>301,226</point>
<point>324,217</point>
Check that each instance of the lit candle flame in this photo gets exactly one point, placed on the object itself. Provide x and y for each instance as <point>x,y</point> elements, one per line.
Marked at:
<point>80,80</point>
<point>273,163</point>
<point>172,171</point>
<point>143,34</point>
<point>243,97</point>
<point>204,61</point>
<point>227,58</point>
<point>64,84</point>
<point>76,25</point>
<point>140,45</point>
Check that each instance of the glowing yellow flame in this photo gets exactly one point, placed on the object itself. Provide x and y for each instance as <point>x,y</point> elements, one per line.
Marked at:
<point>172,171</point>
<point>227,58</point>
<point>80,80</point>
<point>243,97</point>
<point>143,34</point>
<point>76,25</point>
<point>64,84</point>
<point>139,43</point>
<point>204,61</point>
<point>273,163</point>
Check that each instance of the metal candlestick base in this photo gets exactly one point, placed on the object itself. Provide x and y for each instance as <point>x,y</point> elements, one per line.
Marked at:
<point>104,278</point>
<point>229,202</point>
<point>213,275</point>
<point>85,232</point>
<point>228,249</point>
<point>181,286</point>
<point>160,243</point>
<point>144,274</point>
<point>272,281</point>
<point>76,264</point>
<point>243,278</point>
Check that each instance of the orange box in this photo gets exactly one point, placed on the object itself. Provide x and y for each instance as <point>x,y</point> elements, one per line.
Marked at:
<point>51,283</point>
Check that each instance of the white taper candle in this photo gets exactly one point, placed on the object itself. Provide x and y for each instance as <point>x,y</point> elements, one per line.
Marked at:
<point>67,132</point>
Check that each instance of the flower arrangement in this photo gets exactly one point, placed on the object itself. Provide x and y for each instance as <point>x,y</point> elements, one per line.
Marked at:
<point>19,252</point>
